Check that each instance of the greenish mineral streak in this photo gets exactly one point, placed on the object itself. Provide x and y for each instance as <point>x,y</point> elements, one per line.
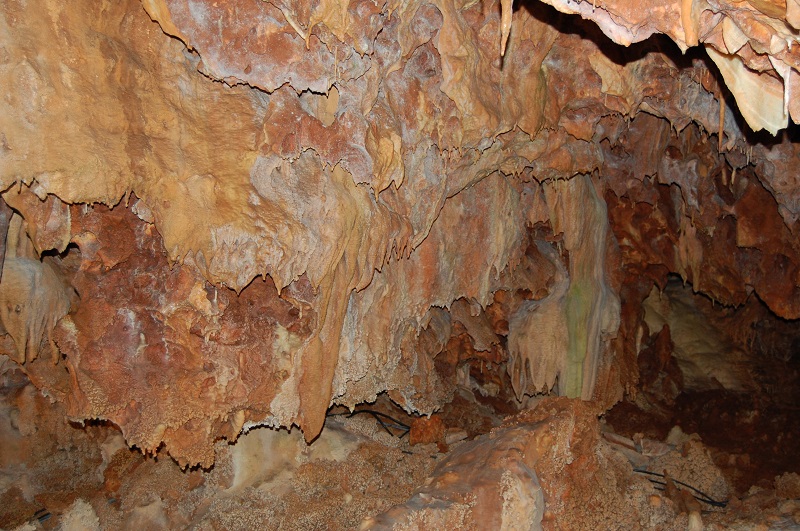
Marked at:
<point>579,305</point>
<point>586,297</point>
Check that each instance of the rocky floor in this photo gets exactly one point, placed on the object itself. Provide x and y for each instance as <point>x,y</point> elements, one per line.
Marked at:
<point>553,463</point>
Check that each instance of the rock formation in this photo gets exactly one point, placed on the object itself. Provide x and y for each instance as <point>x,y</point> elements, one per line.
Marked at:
<point>266,208</point>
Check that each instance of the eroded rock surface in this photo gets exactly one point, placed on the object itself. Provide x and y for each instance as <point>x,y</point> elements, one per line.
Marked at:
<point>313,200</point>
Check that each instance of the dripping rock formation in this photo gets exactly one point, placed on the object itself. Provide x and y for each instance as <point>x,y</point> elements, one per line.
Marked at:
<point>222,220</point>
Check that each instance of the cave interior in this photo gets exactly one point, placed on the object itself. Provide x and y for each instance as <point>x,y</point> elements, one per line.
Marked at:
<point>234,292</point>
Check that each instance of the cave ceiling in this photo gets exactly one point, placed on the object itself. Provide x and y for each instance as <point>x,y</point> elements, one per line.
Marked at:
<point>231,214</point>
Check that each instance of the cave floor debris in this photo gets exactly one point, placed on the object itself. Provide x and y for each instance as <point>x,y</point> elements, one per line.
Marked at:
<point>362,474</point>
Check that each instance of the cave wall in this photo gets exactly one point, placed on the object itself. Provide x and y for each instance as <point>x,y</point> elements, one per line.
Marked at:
<point>269,207</point>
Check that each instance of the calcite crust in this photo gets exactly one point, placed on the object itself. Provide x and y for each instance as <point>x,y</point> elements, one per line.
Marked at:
<point>268,207</point>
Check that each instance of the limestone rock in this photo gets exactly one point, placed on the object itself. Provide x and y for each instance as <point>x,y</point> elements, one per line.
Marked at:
<point>268,208</point>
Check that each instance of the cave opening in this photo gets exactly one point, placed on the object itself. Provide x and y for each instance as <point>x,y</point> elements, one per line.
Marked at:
<point>730,376</point>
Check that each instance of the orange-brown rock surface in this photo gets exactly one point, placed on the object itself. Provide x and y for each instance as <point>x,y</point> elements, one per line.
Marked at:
<point>266,208</point>
<point>545,469</point>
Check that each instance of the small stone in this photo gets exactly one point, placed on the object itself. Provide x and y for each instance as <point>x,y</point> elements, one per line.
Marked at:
<point>676,437</point>
<point>695,521</point>
<point>655,500</point>
<point>426,430</point>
